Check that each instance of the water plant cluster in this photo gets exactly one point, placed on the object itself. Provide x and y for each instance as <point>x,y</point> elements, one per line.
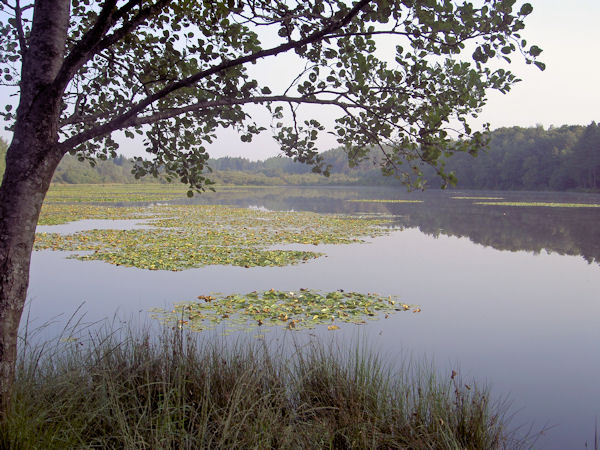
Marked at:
<point>185,236</point>
<point>294,310</point>
<point>84,193</point>
<point>125,193</point>
<point>56,214</point>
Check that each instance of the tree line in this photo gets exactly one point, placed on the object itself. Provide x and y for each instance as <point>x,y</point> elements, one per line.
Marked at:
<point>537,159</point>
<point>557,159</point>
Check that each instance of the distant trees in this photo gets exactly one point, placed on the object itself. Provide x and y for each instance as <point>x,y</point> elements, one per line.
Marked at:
<point>113,170</point>
<point>535,159</point>
<point>585,159</point>
<point>557,158</point>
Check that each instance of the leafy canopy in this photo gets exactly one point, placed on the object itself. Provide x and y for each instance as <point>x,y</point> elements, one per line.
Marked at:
<point>174,71</point>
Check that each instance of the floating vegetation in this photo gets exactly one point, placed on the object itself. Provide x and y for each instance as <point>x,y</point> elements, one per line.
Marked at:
<point>293,310</point>
<point>478,198</point>
<point>186,236</point>
<point>126,193</point>
<point>547,204</point>
<point>56,214</point>
<point>374,200</point>
<point>120,193</point>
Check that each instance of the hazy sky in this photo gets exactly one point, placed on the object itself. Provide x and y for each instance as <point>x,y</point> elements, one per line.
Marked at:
<point>567,92</point>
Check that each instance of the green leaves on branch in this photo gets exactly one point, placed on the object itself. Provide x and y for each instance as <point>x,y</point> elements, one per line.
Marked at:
<point>181,72</point>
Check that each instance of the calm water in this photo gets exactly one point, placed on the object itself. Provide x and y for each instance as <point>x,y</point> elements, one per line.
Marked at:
<point>510,296</point>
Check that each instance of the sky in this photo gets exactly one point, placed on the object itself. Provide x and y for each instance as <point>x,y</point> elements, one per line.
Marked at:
<point>567,92</point>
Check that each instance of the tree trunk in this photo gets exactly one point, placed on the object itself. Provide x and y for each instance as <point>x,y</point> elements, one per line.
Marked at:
<point>21,195</point>
<point>31,160</point>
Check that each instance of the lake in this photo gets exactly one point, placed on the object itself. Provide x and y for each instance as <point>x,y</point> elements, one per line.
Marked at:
<point>510,295</point>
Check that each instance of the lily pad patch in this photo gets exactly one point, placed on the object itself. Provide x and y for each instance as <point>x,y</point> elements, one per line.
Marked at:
<point>294,310</point>
<point>186,236</point>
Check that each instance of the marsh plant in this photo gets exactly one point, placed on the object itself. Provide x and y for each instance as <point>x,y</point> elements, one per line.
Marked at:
<point>130,389</point>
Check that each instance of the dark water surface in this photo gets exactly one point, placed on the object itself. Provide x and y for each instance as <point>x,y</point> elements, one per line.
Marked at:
<point>510,296</point>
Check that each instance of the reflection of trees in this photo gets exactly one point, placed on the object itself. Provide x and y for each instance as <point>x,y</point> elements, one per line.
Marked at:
<point>568,231</point>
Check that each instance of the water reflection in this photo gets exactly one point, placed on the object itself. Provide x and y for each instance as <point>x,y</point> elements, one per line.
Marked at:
<point>566,231</point>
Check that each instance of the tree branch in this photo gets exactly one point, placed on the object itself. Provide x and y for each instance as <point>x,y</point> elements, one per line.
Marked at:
<point>19,27</point>
<point>128,27</point>
<point>109,127</point>
<point>80,53</point>
<point>129,117</point>
<point>92,42</point>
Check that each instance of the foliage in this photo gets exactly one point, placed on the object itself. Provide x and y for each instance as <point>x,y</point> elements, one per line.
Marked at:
<point>173,72</point>
<point>294,310</point>
<point>124,389</point>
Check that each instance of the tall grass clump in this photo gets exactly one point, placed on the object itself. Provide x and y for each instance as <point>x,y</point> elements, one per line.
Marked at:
<point>128,389</point>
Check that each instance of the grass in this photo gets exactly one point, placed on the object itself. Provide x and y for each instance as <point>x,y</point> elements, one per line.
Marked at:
<point>126,389</point>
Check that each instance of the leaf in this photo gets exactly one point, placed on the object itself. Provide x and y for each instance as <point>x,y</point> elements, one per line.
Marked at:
<point>535,51</point>
<point>526,9</point>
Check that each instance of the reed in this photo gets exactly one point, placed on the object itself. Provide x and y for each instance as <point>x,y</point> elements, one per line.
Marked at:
<point>130,389</point>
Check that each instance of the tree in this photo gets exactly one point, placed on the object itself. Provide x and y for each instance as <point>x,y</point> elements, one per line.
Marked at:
<point>585,159</point>
<point>173,71</point>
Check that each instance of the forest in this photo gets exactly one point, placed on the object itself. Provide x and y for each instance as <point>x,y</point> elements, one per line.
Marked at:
<point>536,158</point>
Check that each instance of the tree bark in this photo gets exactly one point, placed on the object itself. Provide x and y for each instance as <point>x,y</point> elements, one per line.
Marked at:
<point>31,160</point>
<point>21,195</point>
